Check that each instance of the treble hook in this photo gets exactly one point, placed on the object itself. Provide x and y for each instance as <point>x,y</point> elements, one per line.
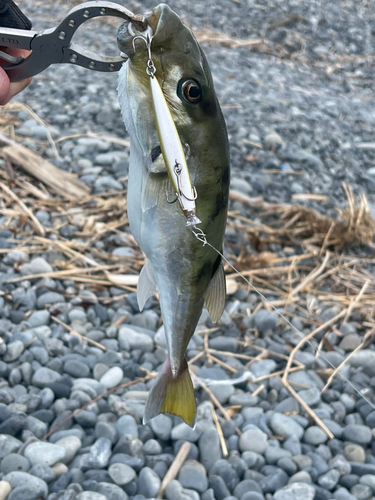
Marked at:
<point>150,69</point>
<point>177,171</point>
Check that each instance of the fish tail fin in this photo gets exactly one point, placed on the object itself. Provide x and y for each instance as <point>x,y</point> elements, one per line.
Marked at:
<point>173,395</point>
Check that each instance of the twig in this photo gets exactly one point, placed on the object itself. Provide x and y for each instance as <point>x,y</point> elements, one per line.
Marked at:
<point>356,300</point>
<point>175,467</point>
<point>214,400</point>
<point>81,337</point>
<point>258,390</point>
<point>27,210</point>
<point>346,360</point>
<point>307,338</point>
<point>219,431</point>
<point>311,412</point>
<point>311,276</point>
<point>102,395</point>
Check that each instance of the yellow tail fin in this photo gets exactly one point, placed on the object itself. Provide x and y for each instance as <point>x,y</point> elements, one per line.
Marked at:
<point>172,395</point>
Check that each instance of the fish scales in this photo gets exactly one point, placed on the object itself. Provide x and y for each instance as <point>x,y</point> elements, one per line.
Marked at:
<point>185,273</point>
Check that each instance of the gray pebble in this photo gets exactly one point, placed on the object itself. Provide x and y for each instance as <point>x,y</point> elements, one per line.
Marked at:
<point>121,474</point>
<point>193,476</point>
<point>359,434</point>
<point>295,491</point>
<point>148,483</point>
<point>285,426</point>
<point>315,435</point>
<point>253,439</point>
<point>265,320</point>
<point>44,453</point>
<point>329,479</point>
<point>36,266</point>
<point>14,462</point>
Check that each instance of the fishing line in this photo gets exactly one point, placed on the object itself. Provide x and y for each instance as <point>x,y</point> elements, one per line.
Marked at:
<point>200,235</point>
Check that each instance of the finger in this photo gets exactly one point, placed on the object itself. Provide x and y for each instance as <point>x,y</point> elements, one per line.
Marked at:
<point>4,87</point>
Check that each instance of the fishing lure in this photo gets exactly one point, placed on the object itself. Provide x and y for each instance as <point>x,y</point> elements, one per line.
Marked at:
<point>170,143</point>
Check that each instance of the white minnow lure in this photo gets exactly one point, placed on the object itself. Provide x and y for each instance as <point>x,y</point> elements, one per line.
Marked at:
<point>170,144</point>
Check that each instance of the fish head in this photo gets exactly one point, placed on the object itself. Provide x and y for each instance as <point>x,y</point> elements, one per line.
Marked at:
<point>182,72</point>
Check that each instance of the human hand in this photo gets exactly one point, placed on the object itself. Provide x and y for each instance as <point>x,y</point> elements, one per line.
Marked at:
<point>10,89</point>
<point>12,17</point>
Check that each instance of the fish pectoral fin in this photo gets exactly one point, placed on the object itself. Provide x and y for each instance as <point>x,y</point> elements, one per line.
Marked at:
<point>215,295</point>
<point>146,285</point>
<point>156,189</point>
<point>173,395</point>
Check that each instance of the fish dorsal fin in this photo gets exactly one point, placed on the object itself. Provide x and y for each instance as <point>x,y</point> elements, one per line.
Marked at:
<point>215,295</point>
<point>146,285</point>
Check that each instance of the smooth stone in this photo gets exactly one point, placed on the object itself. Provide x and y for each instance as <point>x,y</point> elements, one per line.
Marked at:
<point>5,489</point>
<point>24,485</point>
<point>354,453</point>
<point>210,449</point>
<point>49,298</point>
<point>285,427</point>
<point>310,396</point>
<point>71,445</point>
<point>148,483</point>
<point>162,426</point>
<point>300,477</point>
<point>44,376</point>
<point>121,474</point>
<point>111,491</point>
<point>39,318</point>
<point>14,462</point>
<point>295,491</point>
<point>315,435</point>
<point>112,377</point>
<point>127,425</point>
<point>185,432</point>
<point>220,488</point>
<point>265,320</point>
<point>368,479</point>
<point>245,486</point>
<point>253,440</point>
<point>362,492</point>
<point>44,453</point>
<point>137,340</point>
<point>193,476</point>
<point>14,351</point>
<point>36,266</point>
<point>359,434</point>
<point>90,495</point>
<point>76,368</point>
<point>274,481</point>
<point>43,472</point>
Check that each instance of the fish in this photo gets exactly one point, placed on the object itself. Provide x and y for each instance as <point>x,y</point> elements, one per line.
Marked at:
<point>185,273</point>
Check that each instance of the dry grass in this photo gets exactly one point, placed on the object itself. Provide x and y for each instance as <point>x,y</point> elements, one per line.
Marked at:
<point>319,268</point>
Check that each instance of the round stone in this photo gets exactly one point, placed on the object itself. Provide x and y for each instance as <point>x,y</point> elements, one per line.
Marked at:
<point>253,440</point>
<point>359,434</point>
<point>295,491</point>
<point>14,462</point>
<point>315,435</point>
<point>121,474</point>
<point>354,453</point>
<point>148,483</point>
<point>193,476</point>
<point>44,453</point>
<point>112,377</point>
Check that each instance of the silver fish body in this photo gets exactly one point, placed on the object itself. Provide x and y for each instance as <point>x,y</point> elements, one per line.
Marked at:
<point>183,271</point>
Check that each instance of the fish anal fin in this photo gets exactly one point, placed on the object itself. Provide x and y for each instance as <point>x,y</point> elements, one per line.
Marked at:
<point>173,395</point>
<point>146,285</point>
<point>215,295</point>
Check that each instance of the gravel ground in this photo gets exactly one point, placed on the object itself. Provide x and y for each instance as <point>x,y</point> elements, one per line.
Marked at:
<point>300,116</point>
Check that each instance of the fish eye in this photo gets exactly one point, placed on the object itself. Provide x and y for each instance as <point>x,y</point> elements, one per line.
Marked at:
<point>191,91</point>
